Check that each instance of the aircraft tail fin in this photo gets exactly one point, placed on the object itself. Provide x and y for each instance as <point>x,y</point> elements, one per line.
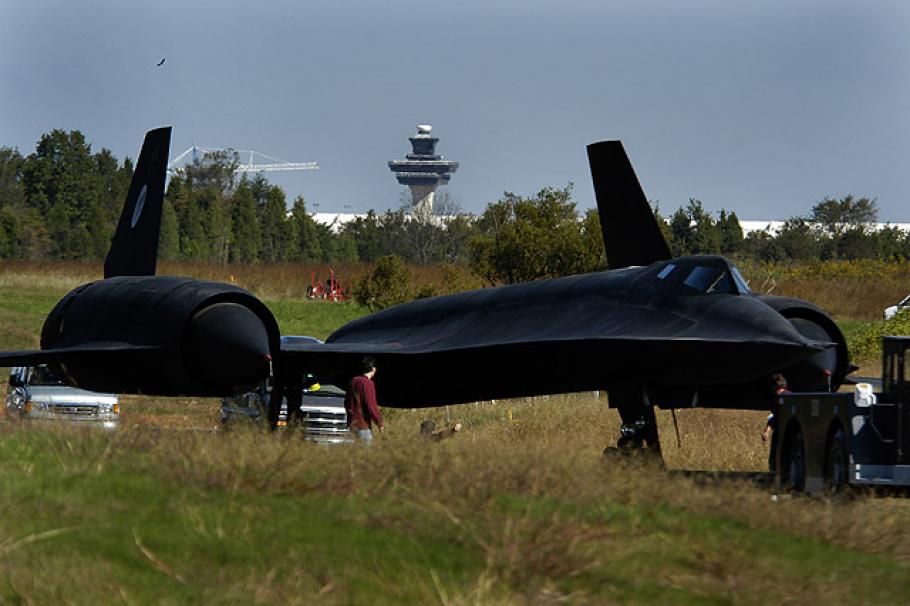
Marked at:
<point>134,249</point>
<point>630,230</point>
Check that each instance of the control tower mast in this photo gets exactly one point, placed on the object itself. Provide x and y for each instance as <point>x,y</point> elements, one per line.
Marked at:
<point>423,170</point>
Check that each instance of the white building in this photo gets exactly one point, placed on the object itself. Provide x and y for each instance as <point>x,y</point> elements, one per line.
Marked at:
<point>773,227</point>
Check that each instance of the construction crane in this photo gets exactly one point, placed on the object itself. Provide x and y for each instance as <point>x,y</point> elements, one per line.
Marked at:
<point>262,162</point>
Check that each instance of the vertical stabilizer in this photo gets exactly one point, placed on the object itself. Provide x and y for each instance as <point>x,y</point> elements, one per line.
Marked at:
<point>134,249</point>
<point>630,230</point>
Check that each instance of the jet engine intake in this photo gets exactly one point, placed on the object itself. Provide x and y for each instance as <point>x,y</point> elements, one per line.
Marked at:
<point>226,345</point>
<point>162,335</point>
<point>824,371</point>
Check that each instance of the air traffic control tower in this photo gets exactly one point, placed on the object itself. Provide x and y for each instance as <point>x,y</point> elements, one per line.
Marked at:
<point>422,170</point>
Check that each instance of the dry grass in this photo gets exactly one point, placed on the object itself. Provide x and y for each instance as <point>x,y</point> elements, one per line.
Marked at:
<point>524,488</point>
<point>280,280</point>
<point>550,449</point>
<point>849,290</point>
<point>858,290</point>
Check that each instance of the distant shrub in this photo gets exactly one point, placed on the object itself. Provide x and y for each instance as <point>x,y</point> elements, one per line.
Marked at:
<point>868,345</point>
<point>389,283</point>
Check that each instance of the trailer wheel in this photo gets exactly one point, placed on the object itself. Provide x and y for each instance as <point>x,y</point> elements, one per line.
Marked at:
<point>793,472</point>
<point>836,464</point>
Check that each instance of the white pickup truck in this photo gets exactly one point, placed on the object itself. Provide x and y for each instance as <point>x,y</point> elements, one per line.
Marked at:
<point>890,312</point>
<point>38,393</point>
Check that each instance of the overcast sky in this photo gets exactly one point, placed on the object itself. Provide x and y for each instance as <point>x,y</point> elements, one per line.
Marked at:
<point>759,107</point>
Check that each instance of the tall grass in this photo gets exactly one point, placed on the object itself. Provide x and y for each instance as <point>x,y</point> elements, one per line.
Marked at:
<point>518,508</point>
<point>858,290</point>
<point>848,289</point>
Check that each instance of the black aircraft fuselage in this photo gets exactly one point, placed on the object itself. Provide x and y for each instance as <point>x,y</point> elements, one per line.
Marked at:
<point>687,329</point>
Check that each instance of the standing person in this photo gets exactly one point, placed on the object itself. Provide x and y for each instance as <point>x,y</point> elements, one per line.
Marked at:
<point>779,382</point>
<point>360,402</point>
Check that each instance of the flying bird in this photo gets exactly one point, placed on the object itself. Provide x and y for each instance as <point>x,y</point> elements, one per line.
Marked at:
<point>160,63</point>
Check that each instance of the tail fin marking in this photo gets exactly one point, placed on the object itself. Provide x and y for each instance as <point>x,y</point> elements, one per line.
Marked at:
<point>134,249</point>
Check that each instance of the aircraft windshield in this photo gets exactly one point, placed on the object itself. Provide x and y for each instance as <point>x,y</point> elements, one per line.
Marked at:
<point>710,279</point>
<point>702,278</point>
<point>741,285</point>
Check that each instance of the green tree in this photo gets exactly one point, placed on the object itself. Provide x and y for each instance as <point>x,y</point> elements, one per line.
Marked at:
<point>371,235</point>
<point>762,246</point>
<point>9,233</point>
<point>681,235</point>
<point>12,192</point>
<point>246,236</point>
<point>345,249</point>
<point>307,248</point>
<point>706,238</point>
<point>858,243</point>
<point>215,170</point>
<point>455,246</point>
<point>835,217</point>
<point>730,232</point>
<point>389,283</point>
<point>62,182</point>
<point>797,240</point>
<point>191,219</point>
<point>169,239</point>
<point>520,239</point>
<point>694,231</point>
<point>892,243</point>
<point>115,183</point>
<point>274,226</point>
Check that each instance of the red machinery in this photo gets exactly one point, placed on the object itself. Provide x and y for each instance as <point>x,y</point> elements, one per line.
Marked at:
<point>330,290</point>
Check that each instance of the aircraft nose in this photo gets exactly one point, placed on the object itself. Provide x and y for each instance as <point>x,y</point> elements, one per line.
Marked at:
<point>227,347</point>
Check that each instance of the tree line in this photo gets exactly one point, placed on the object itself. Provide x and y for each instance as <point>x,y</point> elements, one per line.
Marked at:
<point>62,202</point>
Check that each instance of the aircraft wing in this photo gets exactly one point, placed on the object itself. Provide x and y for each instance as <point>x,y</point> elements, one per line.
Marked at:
<point>62,355</point>
<point>551,336</point>
<point>411,378</point>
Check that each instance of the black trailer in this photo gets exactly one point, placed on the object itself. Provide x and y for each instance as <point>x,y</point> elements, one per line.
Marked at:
<point>861,437</point>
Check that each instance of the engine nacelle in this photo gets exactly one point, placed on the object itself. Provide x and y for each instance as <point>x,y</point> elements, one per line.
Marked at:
<point>826,368</point>
<point>162,335</point>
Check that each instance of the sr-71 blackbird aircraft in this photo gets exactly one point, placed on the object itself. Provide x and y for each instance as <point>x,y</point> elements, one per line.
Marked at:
<point>652,330</point>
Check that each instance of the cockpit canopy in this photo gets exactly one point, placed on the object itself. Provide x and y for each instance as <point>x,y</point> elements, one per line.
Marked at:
<point>705,274</point>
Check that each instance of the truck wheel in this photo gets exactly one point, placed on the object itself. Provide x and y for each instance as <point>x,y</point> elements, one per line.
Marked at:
<point>794,466</point>
<point>836,464</point>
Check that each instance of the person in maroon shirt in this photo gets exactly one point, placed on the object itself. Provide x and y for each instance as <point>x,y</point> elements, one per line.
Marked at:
<point>360,402</point>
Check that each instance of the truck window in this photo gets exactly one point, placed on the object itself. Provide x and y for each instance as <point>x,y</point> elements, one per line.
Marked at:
<point>43,375</point>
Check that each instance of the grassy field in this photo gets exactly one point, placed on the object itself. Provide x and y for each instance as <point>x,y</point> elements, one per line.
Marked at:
<point>507,512</point>
<point>519,508</point>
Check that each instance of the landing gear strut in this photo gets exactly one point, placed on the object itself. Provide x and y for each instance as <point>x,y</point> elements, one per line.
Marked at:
<point>638,433</point>
<point>638,430</point>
